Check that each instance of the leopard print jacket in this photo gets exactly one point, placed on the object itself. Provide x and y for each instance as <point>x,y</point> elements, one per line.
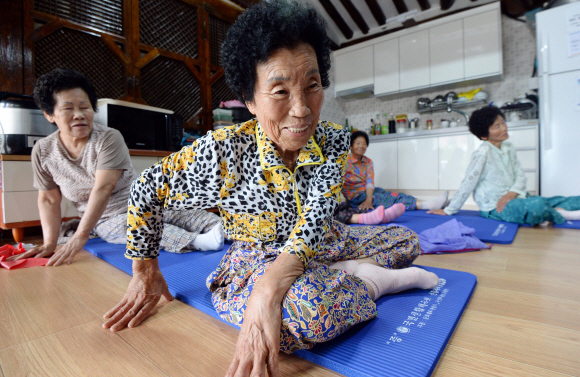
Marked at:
<point>239,170</point>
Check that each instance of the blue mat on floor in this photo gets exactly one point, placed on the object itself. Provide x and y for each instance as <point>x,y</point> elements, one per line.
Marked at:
<point>406,339</point>
<point>569,224</point>
<point>487,230</point>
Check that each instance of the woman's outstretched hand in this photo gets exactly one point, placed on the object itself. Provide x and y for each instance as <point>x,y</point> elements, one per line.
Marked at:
<point>367,204</point>
<point>438,212</point>
<point>68,251</point>
<point>259,340</point>
<point>504,200</point>
<point>43,251</point>
<point>144,292</point>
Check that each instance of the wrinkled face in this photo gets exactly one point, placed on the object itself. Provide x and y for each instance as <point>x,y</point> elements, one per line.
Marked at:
<point>73,114</point>
<point>359,147</point>
<point>497,131</point>
<point>288,96</point>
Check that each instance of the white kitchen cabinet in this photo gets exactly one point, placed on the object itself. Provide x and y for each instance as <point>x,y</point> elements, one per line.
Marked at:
<point>386,65</point>
<point>353,71</point>
<point>454,158</point>
<point>525,143</point>
<point>19,197</point>
<point>436,160</point>
<point>414,60</point>
<point>482,44</point>
<point>141,163</point>
<point>417,162</point>
<point>384,157</point>
<point>446,53</point>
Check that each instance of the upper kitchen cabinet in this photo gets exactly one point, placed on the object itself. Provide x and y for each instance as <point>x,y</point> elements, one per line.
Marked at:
<point>414,60</point>
<point>446,52</point>
<point>386,55</point>
<point>482,43</point>
<point>353,71</point>
<point>459,47</point>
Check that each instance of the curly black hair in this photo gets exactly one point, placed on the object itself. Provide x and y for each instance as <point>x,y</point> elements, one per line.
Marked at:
<point>356,134</point>
<point>57,80</point>
<point>265,28</point>
<point>482,119</point>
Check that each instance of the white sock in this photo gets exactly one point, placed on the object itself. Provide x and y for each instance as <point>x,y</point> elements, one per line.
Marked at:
<point>349,266</point>
<point>212,240</point>
<point>385,281</point>
<point>437,203</point>
<point>569,215</point>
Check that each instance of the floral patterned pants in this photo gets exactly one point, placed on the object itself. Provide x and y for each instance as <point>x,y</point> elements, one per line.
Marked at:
<point>322,303</point>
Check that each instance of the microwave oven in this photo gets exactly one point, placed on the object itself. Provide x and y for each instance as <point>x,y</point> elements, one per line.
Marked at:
<point>143,127</point>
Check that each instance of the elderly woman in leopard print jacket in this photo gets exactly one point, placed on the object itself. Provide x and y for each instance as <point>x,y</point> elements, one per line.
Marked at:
<point>276,180</point>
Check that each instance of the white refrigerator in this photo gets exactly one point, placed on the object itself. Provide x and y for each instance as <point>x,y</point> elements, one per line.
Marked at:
<point>558,52</point>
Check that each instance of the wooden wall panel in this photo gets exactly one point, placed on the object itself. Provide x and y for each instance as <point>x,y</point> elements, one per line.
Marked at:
<point>11,40</point>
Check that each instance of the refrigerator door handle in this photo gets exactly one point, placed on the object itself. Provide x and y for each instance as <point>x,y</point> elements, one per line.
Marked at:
<point>546,125</point>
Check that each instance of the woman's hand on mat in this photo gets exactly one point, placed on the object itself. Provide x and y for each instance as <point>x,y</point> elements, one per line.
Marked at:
<point>68,251</point>
<point>367,204</point>
<point>438,212</point>
<point>144,291</point>
<point>259,340</point>
<point>504,200</point>
<point>36,252</point>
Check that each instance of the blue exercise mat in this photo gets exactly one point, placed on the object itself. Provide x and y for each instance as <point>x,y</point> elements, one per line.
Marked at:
<point>569,224</point>
<point>406,339</point>
<point>487,230</point>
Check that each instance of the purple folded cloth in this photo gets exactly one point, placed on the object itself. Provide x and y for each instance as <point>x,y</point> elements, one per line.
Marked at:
<point>451,236</point>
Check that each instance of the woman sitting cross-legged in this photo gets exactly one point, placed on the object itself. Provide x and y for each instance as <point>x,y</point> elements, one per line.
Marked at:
<point>293,277</point>
<point>367,204</point>
<point>89,164</point>
<point>498,182</point>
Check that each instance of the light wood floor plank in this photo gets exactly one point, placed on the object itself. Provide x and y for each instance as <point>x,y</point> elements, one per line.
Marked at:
<point>462,362</point>
<point>201,345</point>
<point>86,350</point>
<point>532,343</point>
<point>532,307</point>
<point>551,285</point>
<point>83,280</point>
<point>520,321</point>
<point>32,306</point>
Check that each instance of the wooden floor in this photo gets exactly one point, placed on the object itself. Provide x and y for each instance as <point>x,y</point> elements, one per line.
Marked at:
<point>523,319</point>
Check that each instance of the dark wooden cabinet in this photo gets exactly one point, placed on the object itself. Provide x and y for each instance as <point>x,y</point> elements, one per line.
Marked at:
<point>164,53</point>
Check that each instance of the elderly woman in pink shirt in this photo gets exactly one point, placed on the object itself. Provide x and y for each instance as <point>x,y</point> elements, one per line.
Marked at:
<point>367,204</point>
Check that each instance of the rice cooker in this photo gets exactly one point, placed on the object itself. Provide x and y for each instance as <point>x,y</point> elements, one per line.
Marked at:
<point>22,123</point>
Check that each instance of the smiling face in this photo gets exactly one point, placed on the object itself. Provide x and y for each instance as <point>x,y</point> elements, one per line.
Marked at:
<point>288,97</point>
<point>497,132</point>
<point>359,147</point>
<point>73,114</point>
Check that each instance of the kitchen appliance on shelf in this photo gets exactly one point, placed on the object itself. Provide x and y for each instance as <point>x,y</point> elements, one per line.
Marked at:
<point>143,127</point>
<point>558,53</point>
<point>22,124</point>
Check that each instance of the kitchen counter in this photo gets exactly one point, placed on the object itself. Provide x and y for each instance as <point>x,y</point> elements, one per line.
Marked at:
<point>132,152</point>
<point>420,133</point>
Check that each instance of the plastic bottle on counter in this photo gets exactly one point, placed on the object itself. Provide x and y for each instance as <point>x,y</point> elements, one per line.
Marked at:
<point>392,124</point>
<point>429,124</point>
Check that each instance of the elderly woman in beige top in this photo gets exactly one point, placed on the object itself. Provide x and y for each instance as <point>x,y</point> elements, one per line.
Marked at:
<point>89,164</point>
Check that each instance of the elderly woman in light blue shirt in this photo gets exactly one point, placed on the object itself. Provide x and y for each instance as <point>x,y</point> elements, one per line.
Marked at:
<point>497,180</point>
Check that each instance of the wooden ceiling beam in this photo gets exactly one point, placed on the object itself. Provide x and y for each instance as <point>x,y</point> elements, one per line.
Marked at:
<point>355,15</point>
<point>424,4</point>
<point>377,11</point>
<point>401,6</point>
<point>336,18</point>
<point>446,4</point>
